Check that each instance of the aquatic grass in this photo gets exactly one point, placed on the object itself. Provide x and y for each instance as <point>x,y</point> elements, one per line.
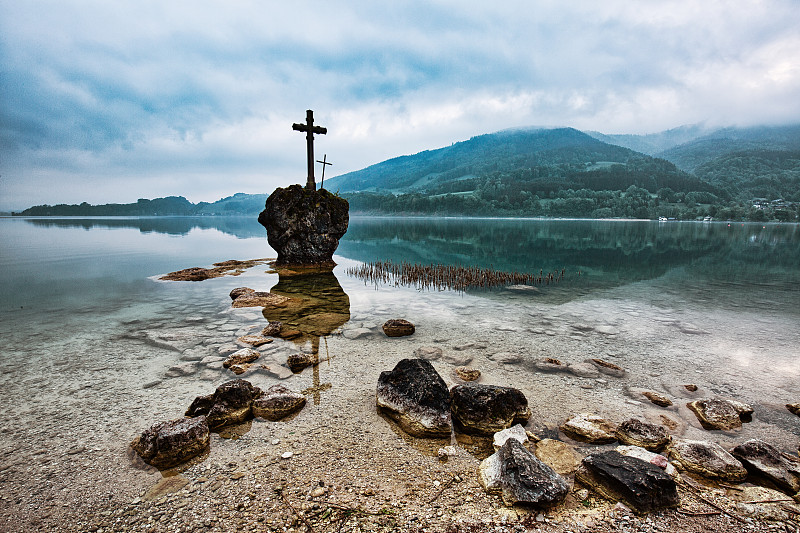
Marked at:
<point>447,277</point>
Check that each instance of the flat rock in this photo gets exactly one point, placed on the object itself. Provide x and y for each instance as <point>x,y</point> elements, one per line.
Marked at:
<point>272,329</point>
<point>766,461</point>
<point>584,370</point>
<point>230,404</point>
<point>356,333</point>
<point>648,456</point>
<point>166,485</point>
<point>278,402</point>
<point>658,399</point>
<point>514,432</point>
<point>559,455</point>
<point>467,373</point>
<point>635,432</point>
<point>398,327</point>
<point>254,340</point>
<point>241,358</point>
<point>638,484</point>
<point>431,353</point>
<point>260,299</point>
<point>550,364</point>
<point>607,368</point>
<point>457,359</point>
<point>590,428</point>
<point>707,459</point>
<point>170,443</point>
<point>521,478</point>
<point>506,358</point>
<point>719,414</point>
<point>416,397</point>
<point>607,330</point>
<point>487,409</point>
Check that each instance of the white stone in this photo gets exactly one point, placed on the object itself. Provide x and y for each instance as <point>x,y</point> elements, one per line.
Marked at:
<point>514,432</point>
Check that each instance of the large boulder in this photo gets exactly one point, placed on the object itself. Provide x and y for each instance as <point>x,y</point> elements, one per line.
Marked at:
<point>487,409</point>
<point>764,460</point>
<point>635,432</point>
<point>642,486</point>
<point>521,478</point>
<point>304,226</point>
<point>707,459</point>
<point>721,414</point>
<point>416,397</point>
<point>170,443</point>
<point>230,404</point>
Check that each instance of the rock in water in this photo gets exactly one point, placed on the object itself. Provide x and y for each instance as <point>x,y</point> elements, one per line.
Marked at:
<point>304,226</point>
<point>720,414</point>
<point>634,432</point>
<point>487,409</point>
<point>231,403</point>
<point>707,459</point>
<point>170,443</point>
<point>764,460</point>
<point>398,327</point>
<point>521,477</point>
<point>278,402</point>
<point>416,396</point>
<point>643,486</point>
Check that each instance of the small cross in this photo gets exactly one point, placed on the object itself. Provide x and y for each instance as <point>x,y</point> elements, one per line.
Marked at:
<point>310,130</point>
<point>324,164</point>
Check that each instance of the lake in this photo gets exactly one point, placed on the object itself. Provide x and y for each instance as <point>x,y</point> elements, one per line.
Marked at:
<point>96,349</point>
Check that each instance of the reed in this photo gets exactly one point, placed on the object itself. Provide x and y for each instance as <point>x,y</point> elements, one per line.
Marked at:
<point>441,277</point>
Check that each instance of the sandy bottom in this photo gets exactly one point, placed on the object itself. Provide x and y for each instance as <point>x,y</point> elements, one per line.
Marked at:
<point>83,386</point>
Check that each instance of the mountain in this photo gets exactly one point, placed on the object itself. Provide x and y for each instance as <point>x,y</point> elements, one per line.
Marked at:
<point>654,143</point>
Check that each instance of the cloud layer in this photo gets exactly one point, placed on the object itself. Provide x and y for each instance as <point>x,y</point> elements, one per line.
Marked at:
<point>113,101</point>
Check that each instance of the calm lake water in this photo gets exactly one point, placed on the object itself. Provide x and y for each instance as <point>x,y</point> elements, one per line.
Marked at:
<point>95,349</point>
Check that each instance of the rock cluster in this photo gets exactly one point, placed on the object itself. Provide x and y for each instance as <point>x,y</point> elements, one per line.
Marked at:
<point>303,225</point>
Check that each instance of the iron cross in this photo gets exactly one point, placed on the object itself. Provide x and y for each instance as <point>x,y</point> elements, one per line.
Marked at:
<point>324,164</point>
<point>310,130</point>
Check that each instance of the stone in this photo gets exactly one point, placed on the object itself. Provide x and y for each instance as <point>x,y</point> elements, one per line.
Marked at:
<point>650,457</point>
<point>607,330</point>
<point>303,225</point>
<point>416,397</point>
<point>298,361</point>
<point>260,299</point>
<point>719,414</point>
<point>707,459</point>
<point>457,359</point>
<point>607,368</point>
<point>278,402</point>
<point>635,432</point>
<point>691,387</point>
<point>272,329</point>
<point>230,404</point>
<point>239,291</point>
<point>590,428</point>
<point>550,364</point>
<point>467,373</point>
<point>254,340</point>
<point>638,484</point>
<point>356,333</point>
<point>431,353</point>
<point>658,399</point>
<point>584,370</point>
<point>241,358</point>
<point>514,432</point>
<point>521,478</point>
<point>173,442</point>
<point>506,358</point>
<point>765,461</point>
<point>398,327</point>
<point>487,409</point>
<point>793,408</point>
<point>560,456</point>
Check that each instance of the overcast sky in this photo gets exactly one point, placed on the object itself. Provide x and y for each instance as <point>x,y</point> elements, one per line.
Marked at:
<point>115,101</point>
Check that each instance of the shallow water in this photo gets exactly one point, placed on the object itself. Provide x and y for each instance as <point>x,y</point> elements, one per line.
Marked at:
<point>96,349</point>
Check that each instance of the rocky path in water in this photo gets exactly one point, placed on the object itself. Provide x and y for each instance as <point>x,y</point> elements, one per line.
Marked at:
<point>64,463</point>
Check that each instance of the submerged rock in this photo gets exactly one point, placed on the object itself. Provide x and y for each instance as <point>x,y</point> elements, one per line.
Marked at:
<point>764,460</point>
<point>589,428</point>
<point>298,361</point>
<point>487,409</point>
<point>398,327</point>
<point>303,225</point>
<point>272,329</point>
<point>431,353</point>
<point>707,459</point>
<point>260,299</point>
<point>416,397</point>
<point>278,402</point>
<point>607,368</point>
<point>720,414</point>
<point>658,399</point>
<point>521,478</point>
<point>642,434</point>
<point>253,340</point>
<point>467,373</point>
<point>638,484</point>
<point>170,443</point>
<point>550,364</point>
<point>240,361</point>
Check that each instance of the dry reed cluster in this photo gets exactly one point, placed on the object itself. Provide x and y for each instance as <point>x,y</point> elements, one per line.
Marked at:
<point>440,277</point>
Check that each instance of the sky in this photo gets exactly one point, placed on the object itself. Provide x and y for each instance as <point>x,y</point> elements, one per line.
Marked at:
<point>114,101</point>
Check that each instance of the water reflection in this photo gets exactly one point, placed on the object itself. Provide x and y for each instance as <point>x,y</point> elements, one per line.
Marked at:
<point>243,227</point>
<point>318,306</point>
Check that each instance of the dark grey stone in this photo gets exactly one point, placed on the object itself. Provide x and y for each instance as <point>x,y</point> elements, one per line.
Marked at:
<point>487,409</point>
<point>766,461</point>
